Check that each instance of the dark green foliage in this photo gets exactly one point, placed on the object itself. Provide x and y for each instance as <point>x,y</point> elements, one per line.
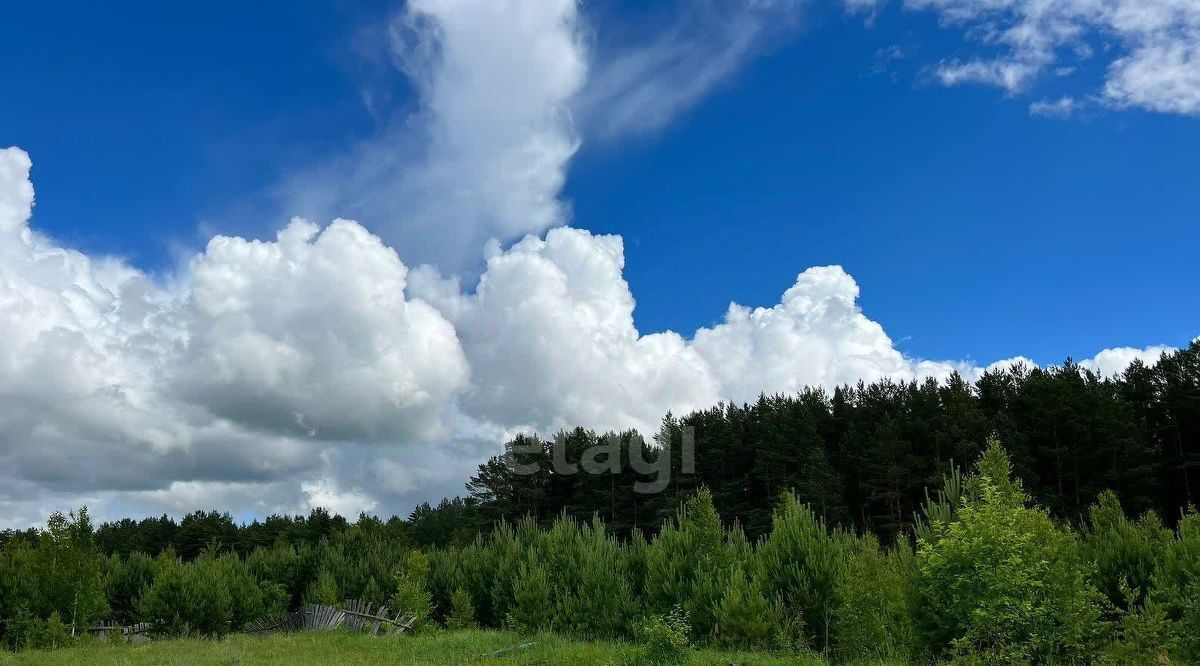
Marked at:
<point>863,455</point>
<point>285,565</point>
<point>247,600</point>
<point>589,584</point>
<point>51,634</point>
<point>21,628</point>
<point>688,560</point>
<point>124,580</point>
<point>59,574</point>
<point>531,609</point>
<point>829,487</point>
<point>190,598</point>
<point>745,618</point>
<point>1144,633</point>
<point>1124,554</point>
<point>1177,584</point>
<point>165,604</point>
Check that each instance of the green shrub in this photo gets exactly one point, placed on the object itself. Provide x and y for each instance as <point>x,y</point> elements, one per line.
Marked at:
<point>873,620</point>
<point>662,640</point>
<point>412,591</point>
<point>323,590</point>
<point>54,634</point>
<point>588,581</point>
<point>803,564</point>
<point>164,603</point>
<point>21,629</point>
<point>124,581</point>
<point>746,619</point>
<point>209,601</point>
<point>274,598</point>
<point>286,565</point>
<point>1177,585</point>
<point>246,602</point>
<point>59,571</point>
<point>686,562</point>
<point>1144,634</point>
<point>1123,554</point>
<point>532,609</point>
<point>1001,582</point>
<point>462,612</point>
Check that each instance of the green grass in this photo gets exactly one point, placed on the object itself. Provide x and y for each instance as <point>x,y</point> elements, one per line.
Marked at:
<point>342,648</point>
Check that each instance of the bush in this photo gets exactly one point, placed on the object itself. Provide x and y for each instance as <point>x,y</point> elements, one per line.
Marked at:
<point>803,564</point>
<point>1177,585</point>
<point>1001,582</point>
<point>21,629</point>
<point>285,565</point>
<point>188,599</point>
<point>686,562</point>
<point>163,604</point>
<point>124,581</point>
<point>663,640</point>
<point>462,611</point>
<point>245,595</point>
<point>412,590</point>
<point>746,619</point>
<point>1123,554</point>
<point>53,635</point>
<point>323,590</point>
<point>209,602</point>
<point>1144,633</point>
<point>61,571</point>
<point>873,620</point>
<point>531,610</point>
<point>588,581</point>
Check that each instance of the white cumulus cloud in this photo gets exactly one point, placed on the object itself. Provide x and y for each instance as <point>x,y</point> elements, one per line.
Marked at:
<point>316,369</point>
<point>311,334</point>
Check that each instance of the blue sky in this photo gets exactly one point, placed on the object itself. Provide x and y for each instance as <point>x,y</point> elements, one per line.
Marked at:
<point>994,179</point>
<point>974,229</point>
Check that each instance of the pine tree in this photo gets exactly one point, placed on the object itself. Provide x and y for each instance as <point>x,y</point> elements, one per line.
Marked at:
<point>324,590</point>
<point>532,609</point>
<point>412,592</point>
<point>803,563</point>
<point>745,619</point>
<point>462,612</point>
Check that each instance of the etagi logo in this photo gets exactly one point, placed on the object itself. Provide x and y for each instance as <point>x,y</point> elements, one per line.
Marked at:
<point>528,456</point>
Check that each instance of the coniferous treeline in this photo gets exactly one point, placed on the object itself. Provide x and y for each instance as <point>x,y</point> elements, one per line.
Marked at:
<point>863,455</point>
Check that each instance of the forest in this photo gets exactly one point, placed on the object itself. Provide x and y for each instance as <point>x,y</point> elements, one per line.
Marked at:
<point>1032,516</point>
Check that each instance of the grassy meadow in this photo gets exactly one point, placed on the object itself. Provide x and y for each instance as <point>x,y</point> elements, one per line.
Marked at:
<point>459,647</point>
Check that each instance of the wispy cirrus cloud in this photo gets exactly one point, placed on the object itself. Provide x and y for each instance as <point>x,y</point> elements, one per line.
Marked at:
<point>641,85</point>
<point>1149,49</point>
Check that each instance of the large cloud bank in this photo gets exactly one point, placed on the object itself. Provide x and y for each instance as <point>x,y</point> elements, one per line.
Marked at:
<point>315,368</point>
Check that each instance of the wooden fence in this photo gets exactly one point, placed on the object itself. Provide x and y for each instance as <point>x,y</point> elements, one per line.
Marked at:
<point>355,615</point>
<point>135,633</point>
